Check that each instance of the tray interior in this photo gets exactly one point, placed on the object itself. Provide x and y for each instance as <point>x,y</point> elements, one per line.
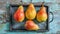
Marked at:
<point>20,26</point>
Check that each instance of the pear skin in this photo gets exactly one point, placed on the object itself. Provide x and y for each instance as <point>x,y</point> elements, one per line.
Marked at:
<point>30,25</point>
<point>19,14</point>
<point>42,14</point>
<point>30,12</point>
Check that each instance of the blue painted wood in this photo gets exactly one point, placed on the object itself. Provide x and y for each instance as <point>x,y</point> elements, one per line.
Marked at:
<point>54,27</point>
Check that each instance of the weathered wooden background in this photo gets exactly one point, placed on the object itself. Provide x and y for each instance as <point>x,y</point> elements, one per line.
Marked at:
<point>54,6</point>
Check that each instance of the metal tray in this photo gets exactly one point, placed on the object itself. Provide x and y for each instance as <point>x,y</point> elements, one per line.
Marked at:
<point>20,26</point>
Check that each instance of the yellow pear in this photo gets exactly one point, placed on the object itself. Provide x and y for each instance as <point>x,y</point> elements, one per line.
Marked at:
<point>30,12</point>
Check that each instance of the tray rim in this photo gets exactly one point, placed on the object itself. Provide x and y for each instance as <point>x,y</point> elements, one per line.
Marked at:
<point>16,5</point>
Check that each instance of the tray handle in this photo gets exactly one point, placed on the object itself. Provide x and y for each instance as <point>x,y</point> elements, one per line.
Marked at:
<point>52,17</point>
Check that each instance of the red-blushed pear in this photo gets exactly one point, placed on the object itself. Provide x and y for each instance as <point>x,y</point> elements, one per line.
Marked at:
<point>19,14</point>
<point>42,14</point>
<point>30,25</point>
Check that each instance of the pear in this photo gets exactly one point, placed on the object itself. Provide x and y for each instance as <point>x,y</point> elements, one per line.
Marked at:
<point>30,12</point>
<point>19,14</point>
<point>42,14</point>
<point>30,25</point>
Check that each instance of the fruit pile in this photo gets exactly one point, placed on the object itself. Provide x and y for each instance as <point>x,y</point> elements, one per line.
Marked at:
<point>30,14</point>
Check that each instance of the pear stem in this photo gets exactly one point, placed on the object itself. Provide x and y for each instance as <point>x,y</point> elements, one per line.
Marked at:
<point>31,1</point>
<point>42,4</point>
<point>21,2</point>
